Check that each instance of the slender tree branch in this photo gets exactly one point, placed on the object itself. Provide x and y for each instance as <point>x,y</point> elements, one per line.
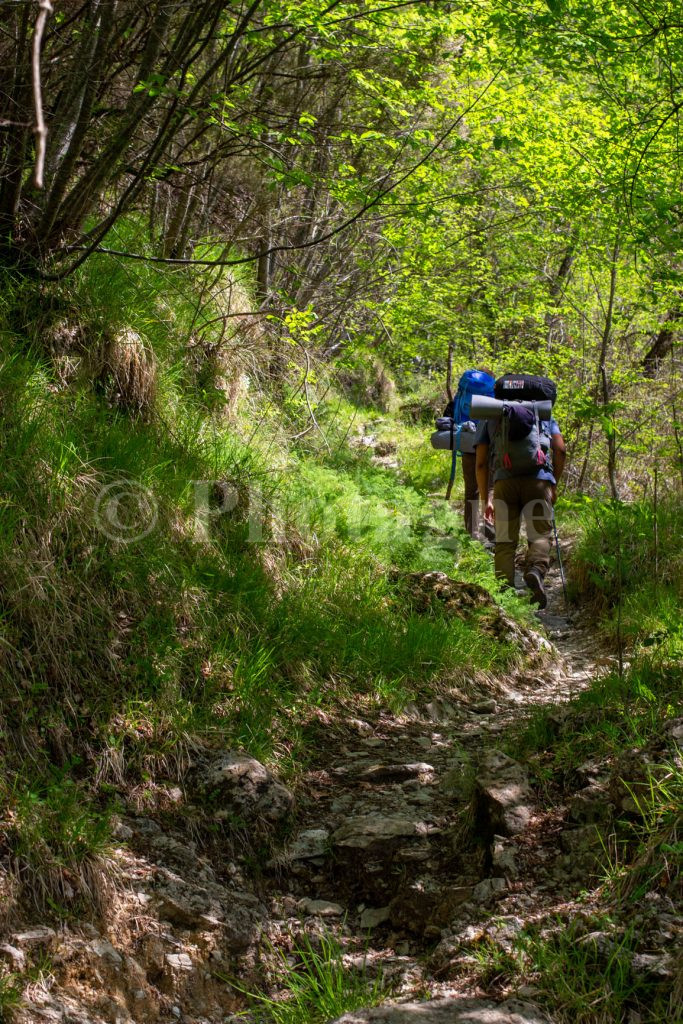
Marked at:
<point>86,251</point>
<point>40,129</point>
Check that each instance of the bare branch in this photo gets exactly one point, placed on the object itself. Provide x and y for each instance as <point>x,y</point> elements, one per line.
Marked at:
<point>40,129</point>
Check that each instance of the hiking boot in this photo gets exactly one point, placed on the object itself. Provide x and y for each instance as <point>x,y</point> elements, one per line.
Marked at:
<point>534,581</point>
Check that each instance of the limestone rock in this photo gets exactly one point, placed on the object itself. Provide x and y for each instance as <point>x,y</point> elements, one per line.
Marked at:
<point>239,915</point>
<point>41,935</point>
<point>240,785</point>
<point>590,806</point>
<point>182,856</point>
<point>179,961</point>
<point>395,772</point>
<point>145,827</point>
<point>310,844</point>
<point>503,796</point>
<point>362,727</point>
<point>485,707</point>
<point>488,888</point>
<point>373,917</point>
<point>653,965</point>
<point>242,922</point>
<point>321,908</point>
<point>504,931</point>
<point>503,857</point>
<point>449,1011</point>
<point>674,729</point>
<point>106,953</point>
<point>12,955</point>
<point>368,830</point>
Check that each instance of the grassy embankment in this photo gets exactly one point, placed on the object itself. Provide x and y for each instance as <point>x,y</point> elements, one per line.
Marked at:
<point>144,611</point>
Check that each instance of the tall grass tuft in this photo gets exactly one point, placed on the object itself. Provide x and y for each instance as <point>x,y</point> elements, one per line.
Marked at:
<point>316,985</point>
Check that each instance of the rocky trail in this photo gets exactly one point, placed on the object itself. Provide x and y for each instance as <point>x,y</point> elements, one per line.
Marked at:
<point>411,838</point>
<point>385,852</point>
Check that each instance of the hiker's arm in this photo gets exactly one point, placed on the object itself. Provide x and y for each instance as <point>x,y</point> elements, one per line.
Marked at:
<point>482,467</point>
<point>559,458</point>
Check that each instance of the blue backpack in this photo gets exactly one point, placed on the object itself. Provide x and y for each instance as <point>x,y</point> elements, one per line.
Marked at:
<point>472,382</point>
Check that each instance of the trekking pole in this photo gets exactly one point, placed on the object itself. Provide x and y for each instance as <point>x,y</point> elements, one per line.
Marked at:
<point>559,559</point>
<point>454,463</point>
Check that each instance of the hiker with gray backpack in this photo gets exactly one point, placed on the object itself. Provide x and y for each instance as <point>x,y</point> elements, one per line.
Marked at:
<point>528,453</point>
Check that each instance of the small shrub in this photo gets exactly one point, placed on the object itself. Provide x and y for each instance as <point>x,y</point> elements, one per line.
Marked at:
<point>10,995</point>
<point>125,370</point>
<point>658,800</point>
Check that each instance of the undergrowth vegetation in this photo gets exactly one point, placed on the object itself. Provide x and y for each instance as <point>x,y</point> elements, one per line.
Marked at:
<point>588,976</point>
<point>620,738</point>
<point>602,728</point>
<point>628,566</point>
<point>583,970</point>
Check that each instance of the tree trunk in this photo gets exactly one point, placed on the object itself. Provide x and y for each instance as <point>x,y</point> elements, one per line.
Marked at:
<point>18,107</point>
<point>606,389</point>
<point>662,343</point>
<point>556,326</point>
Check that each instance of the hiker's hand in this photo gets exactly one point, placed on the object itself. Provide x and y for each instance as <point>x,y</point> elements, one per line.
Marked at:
<point>553,493</point>
<point>488,512</point>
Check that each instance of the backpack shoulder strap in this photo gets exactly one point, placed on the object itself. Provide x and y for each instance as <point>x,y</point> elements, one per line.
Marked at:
<point>506,461</point>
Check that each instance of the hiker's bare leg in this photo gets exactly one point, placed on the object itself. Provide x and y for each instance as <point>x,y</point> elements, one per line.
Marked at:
<point>489,526</point>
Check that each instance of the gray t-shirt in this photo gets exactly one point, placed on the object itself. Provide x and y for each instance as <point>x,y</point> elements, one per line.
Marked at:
<point>486,436</point>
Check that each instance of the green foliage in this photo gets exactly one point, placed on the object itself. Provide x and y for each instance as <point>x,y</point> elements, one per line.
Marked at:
<point>582,971</point>
<point>58,835</point>
<point>611,716</point>
<point>628,565</point>
<point>657,831</point>
<point>56,821</point>
<point>10,994</point>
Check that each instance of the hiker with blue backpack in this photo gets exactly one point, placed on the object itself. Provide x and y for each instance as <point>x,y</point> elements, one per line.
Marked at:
<point>523,441</point>
<point>456,431</point>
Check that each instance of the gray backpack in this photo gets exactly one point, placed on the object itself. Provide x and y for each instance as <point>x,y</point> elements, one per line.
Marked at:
<point>521,441</point>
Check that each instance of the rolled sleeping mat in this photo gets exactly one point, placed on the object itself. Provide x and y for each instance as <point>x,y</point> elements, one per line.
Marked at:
<point>441,440</point>
<point>485,408</point>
